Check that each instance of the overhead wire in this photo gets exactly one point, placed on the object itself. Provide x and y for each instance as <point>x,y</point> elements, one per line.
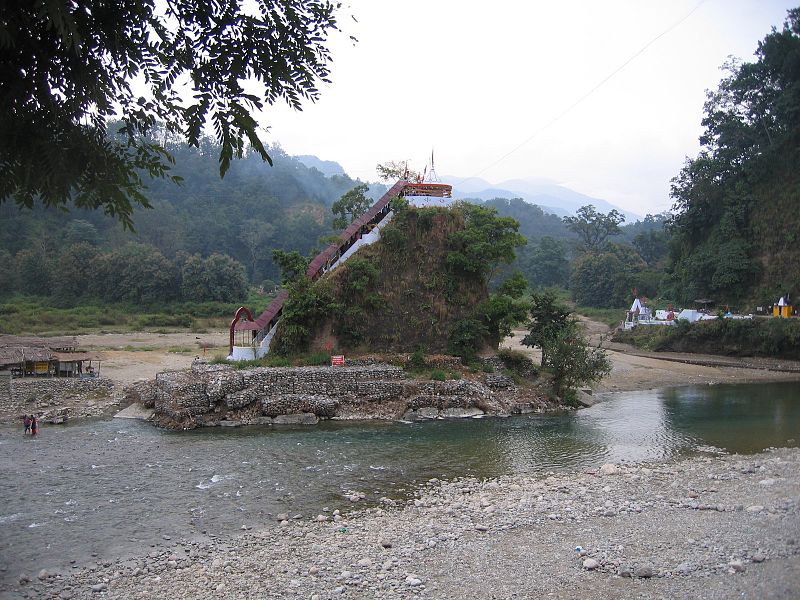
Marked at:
<point>563,113</point>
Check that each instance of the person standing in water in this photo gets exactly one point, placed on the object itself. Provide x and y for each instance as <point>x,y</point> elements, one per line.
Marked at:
<point>27,422</point>
<point>34,425</point>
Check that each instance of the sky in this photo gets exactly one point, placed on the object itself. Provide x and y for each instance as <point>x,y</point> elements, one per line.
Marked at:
<point>521,89</point>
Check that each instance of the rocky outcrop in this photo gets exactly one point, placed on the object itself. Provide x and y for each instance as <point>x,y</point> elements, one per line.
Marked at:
<point>212,395</point>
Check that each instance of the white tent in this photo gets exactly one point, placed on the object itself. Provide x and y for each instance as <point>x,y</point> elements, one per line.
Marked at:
<point>694,315</point>
<point>687,314</point>
<point>636,306</point>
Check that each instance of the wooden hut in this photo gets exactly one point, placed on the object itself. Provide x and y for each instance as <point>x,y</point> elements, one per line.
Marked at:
<point>46,357</point>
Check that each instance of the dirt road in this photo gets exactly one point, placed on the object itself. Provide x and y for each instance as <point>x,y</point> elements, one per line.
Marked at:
<point>130,357</point>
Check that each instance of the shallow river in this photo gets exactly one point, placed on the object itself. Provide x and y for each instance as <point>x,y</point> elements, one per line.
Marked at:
<point>113,487</point>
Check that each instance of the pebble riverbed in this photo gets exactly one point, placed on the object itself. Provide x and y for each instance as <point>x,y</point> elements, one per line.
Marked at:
<point>713,527</point>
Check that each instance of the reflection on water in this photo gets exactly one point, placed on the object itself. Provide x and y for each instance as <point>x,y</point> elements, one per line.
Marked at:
<point>111,486</point>
<point>741,418</point>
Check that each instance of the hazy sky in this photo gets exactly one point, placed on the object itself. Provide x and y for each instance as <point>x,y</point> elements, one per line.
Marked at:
<point>475,80</point>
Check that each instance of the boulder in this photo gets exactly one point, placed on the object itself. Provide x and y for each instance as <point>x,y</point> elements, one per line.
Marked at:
<point>460,413</point>
<point>296,419</point>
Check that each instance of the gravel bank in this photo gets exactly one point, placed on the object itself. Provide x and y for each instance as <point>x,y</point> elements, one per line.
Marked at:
<point>708,527</point>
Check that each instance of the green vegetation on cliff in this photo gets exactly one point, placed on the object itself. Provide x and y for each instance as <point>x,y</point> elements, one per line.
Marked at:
<point>778,338</point>
<point>424,285</point>
<point>736,234</point>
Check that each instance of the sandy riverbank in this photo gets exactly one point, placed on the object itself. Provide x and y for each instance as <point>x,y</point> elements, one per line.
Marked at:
<point>136,356</point>
<point>130,357</point>
<point>140,356</point>
<point>713,528</point>
<point>634,370</point>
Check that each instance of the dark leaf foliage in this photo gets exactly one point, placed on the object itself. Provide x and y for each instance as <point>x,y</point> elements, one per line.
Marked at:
<point>727,210</point>
<point>67,67</point>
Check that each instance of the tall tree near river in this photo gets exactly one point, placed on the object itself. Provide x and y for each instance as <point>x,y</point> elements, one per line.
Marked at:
<point>594,228</point>
<point>736,220</point>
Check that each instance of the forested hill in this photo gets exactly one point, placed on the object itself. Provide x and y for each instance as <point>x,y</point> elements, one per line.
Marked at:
<point>253,210</point>
<point>736,235</point>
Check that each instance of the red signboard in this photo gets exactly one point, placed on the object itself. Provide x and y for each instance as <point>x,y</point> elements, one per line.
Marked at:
<point>337,360</point>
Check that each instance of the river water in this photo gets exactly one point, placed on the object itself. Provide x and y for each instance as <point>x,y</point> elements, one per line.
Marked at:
<point>109,488</point>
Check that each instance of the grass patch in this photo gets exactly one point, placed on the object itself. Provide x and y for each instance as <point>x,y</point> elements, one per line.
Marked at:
<point>438,375</point>
<point>246,364</point>
<point>518,362</point>
<point>43,316</point>
<point>316,359</point>
<point>276,361</point>
<point>727,337</point>
<point>610,316</point>
<point>416,362</point>
<point>512,376</point>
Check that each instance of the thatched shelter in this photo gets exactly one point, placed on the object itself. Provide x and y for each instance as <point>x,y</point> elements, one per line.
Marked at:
<point>54,356</point>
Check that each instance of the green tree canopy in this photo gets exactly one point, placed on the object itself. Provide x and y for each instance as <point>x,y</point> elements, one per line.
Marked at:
<point>350,206</point>
<point>136,273</point>
<point>486,242</point>
<point>594,228</point>
<point>67,67</point>
<point>547,315</point>
<point>292,265</point>
<point>217,277</point>
<point>546,264</point>
<point>74,271</point>
<point>600,280</point>
<point>652,245</point>
<point>727,213</point>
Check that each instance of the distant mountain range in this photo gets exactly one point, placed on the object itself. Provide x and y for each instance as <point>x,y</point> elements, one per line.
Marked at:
<point>548,195</point>
<point>326,167</point>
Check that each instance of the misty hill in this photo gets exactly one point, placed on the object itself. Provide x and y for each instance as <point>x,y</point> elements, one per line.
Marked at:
<point>553,198</point>
<point>326,167</point>
<point>253,210</point>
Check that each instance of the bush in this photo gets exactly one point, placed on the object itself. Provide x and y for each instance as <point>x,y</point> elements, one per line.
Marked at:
<point>769,337</point>
<point>518,362</point>
<point>163,320</point>
<point>572,361</point>
<point>416,362</point>
<point>317,359</point>
<point>308,305</point>
<point>273,360</point>
<point>393,237</point>
<point>466,337</point>
<point>438,375</point>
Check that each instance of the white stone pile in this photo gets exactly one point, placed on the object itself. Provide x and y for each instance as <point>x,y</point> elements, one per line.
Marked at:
<point>627,532</point>
<point>210,395</point>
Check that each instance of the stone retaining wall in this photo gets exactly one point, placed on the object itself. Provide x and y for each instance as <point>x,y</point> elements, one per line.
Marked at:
<point>57,399</point>
<point>209,395</point>
<point>29,390</point>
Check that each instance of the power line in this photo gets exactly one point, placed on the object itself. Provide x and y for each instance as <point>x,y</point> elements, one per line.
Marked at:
<point>586,95</point>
